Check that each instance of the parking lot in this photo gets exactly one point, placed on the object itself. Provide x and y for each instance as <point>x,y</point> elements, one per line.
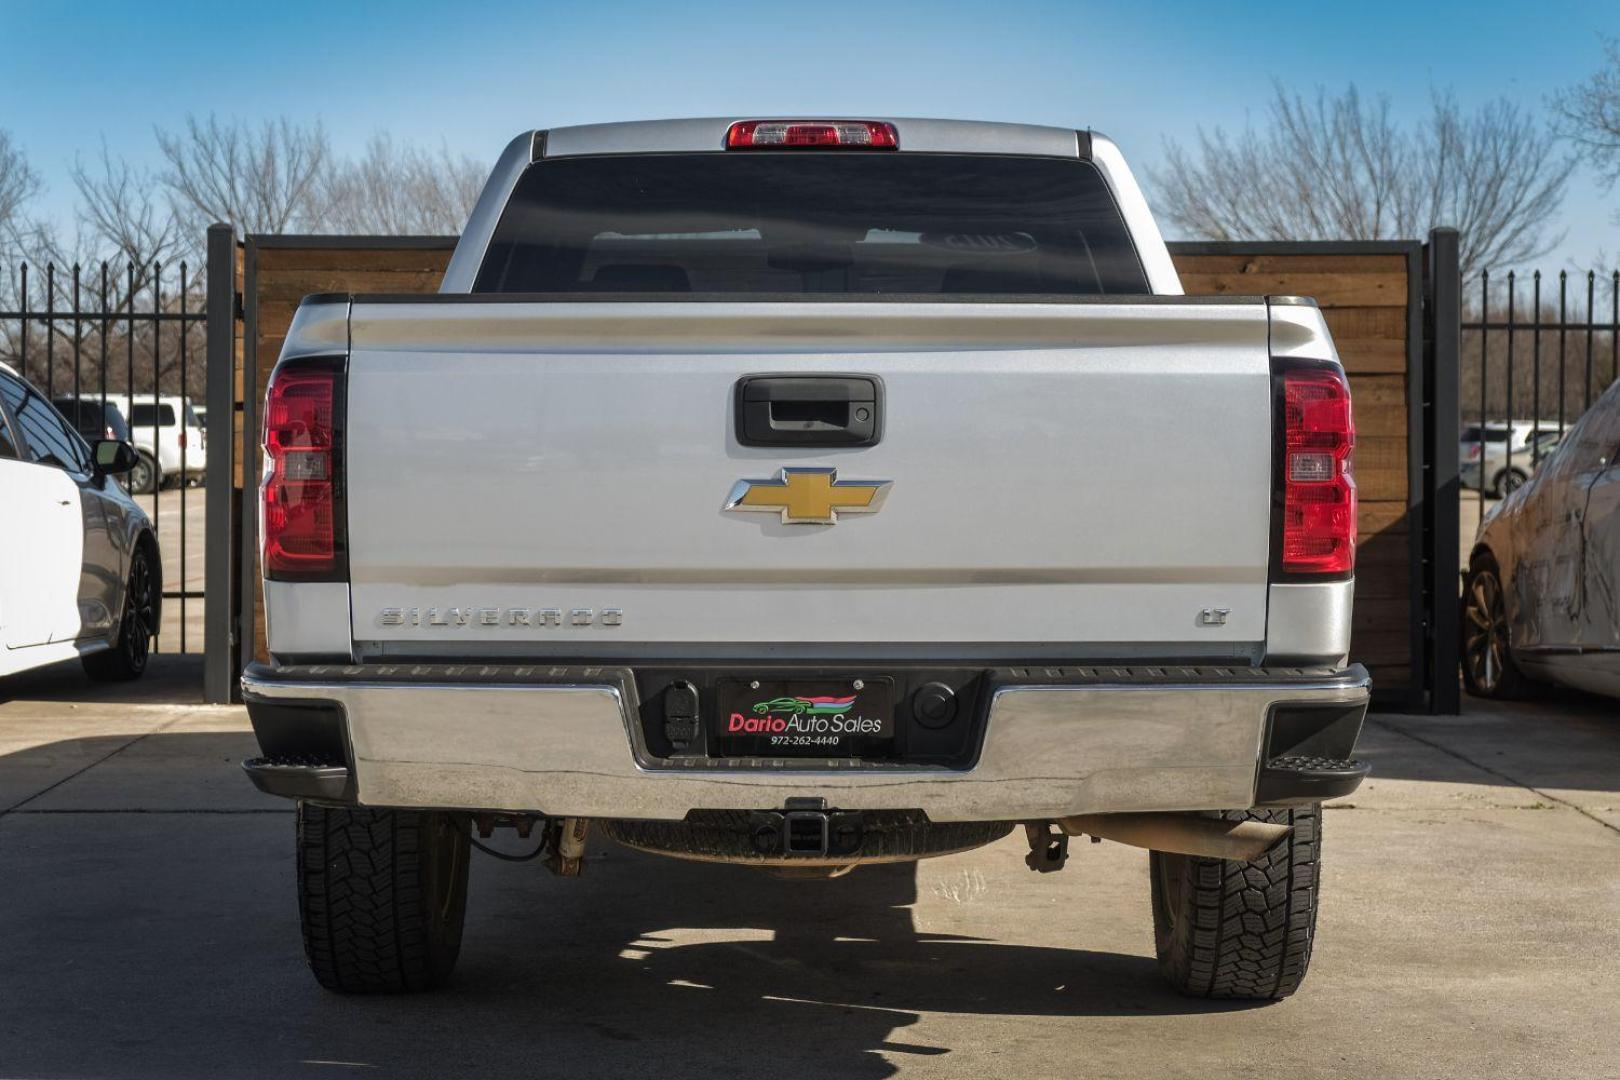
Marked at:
<point>149,930</point>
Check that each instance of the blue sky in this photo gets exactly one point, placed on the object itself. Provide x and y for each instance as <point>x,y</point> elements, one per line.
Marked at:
<point>472,74</point>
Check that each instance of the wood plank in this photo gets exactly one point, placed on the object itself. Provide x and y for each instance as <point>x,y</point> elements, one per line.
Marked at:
<point>1382,473</point>
<point>394,259</point>
<point>1376,516</point>
<point>1371,355</point>
<point>294,285</point>
<point>1304,263</point>
<point>1329,290</point>
<point>1380,405</point>
<point>1367,322</point>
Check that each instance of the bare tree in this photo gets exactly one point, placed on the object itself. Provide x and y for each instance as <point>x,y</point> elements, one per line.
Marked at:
<point>1341,168</point>
<point>18,183</point>
<point>398,190</point>
<point>262,180</point>
<point>1589,114</point>
<point>128,221</point>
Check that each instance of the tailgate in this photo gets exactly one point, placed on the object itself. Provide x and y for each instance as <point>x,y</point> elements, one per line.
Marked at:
<point>1076,474</point>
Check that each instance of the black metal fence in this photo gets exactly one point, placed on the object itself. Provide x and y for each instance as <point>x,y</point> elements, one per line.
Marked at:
<point>130,334</point>
<point>1537,350</point>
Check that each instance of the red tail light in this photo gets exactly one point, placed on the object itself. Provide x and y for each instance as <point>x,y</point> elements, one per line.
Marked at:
<point>811,135</point>
<point>302,493</point>
<point>182,438</point>
<point>1317,475</point>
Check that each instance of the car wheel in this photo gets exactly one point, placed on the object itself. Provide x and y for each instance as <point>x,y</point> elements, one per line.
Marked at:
<point>382,896</point>
<point>1508,481</point>
<point>1243,930</point>
<point>126,659</point>
<point>1487,660</point>
<point>145,477</point>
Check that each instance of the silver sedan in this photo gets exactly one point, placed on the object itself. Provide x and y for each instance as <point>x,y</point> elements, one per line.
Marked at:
<point>1540,600</point>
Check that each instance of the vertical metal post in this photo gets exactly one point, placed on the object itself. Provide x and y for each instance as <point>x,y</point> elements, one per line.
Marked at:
<point>185,422</point>
<point>157,408</point>
<point>1444,333</point>
<point>22,295</point>
<point>1484,370</point>
<point>1535,370</point>
<point>129,357</point>
<point>78,344</point>
<point>247,584</point>
<point>106,317</point>
<point>1586,390</point>
<point>50,330</point>
<point>1563,334</point>
<point>1508,406</point>
<point>219,661</point>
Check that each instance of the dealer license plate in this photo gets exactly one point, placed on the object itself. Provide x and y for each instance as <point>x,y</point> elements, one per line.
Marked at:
<point>804,718</point>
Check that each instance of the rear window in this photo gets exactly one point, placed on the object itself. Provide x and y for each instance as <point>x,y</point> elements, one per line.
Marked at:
<point>803,223</point>
<point>144,415</point>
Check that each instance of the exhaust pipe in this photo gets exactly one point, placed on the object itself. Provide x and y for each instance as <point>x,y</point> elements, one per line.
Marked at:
<point>1182,834</point>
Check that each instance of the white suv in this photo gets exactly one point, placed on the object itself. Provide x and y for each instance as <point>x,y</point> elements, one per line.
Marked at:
<point>169,437</point>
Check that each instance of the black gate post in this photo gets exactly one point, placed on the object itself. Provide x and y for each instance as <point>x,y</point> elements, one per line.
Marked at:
<point>1442,326</point>
<point>219,605</point>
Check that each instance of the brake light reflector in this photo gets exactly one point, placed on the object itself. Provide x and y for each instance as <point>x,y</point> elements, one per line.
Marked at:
<point>303,530</point>
<point>812,135</point>
<point>1318,472</point>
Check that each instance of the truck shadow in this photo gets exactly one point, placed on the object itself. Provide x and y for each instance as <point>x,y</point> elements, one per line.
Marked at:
<point>150,930</point>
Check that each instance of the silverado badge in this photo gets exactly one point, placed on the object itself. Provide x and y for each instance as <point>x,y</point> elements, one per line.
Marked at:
<point>808,496</point>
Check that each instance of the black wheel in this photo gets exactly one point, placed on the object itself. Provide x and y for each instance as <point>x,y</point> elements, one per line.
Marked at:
<point>145,477</point>
<point>1508,481</point>
<point>1487,660</point>
<point>126,659</point>
<point>382,895</point>
<point>1227,929</point>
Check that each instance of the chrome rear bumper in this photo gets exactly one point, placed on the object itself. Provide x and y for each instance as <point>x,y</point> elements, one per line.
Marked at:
<point>564,741</point>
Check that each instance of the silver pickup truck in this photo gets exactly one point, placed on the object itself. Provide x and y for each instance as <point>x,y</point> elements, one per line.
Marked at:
<point>805,494</point>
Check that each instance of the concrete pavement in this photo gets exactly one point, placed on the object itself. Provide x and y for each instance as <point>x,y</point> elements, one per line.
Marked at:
<point>147,929</point>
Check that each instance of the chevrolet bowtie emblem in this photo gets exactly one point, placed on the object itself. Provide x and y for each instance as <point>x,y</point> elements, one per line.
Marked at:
<point>808,496</point>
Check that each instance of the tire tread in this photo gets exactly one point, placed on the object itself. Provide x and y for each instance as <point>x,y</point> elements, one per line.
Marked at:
<point>365,900</point>
<point>1251,925</point>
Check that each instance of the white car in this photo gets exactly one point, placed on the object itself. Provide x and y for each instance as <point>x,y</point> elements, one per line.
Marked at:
<point>80,573</point>
<point>1532,442</point>
<point>169,437</point>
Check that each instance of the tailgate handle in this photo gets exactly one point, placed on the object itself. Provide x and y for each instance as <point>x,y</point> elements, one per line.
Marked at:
<point>809,410</point>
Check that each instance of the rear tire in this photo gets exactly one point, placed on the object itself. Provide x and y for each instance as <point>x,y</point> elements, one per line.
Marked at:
<point>1243,930</point>
<point>126,659</point>
<point>1508,481</point>
<point>382,895</point>
<point>1487,655</point>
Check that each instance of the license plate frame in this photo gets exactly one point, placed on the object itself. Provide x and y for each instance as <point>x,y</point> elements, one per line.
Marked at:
<point>775,717</point>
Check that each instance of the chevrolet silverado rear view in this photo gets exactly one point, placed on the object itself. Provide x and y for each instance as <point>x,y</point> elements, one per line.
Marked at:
<point>806,494</point>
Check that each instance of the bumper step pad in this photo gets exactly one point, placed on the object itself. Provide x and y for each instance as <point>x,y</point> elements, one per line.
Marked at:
<point>299,777</point>
<point>1296,781</point>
